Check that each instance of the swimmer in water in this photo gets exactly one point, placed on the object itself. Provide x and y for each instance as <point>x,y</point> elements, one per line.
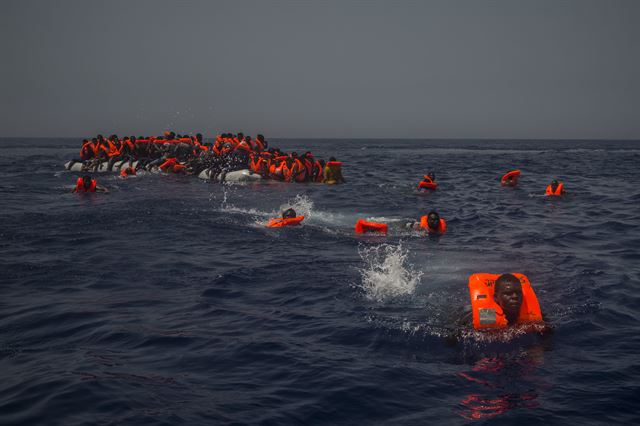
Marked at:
<point>556,188</point>
<point>88,184</point>
<point>505,308</point>
<point>432,223</point>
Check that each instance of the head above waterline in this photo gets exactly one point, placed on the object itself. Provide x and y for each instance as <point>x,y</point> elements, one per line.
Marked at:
<point>433,219</point>
<point>508,294</point>
<point>289,214</point>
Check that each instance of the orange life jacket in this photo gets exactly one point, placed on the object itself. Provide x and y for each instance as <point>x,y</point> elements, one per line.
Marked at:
<point>427,183</point>
<point>363,227</point>
<point>297,171</point>
<point>177,168</point>
<point>318,166</point>
<point>558,191</point>
<point>87,151</point>
<point>280,222</point>
<point>511,176</point>
<point>114,151</point>
<point>80,186</point>
<point>103,149</point>
<point>129,171</point>
<point>169,164</point>
<point>243,145</point>
<point>487,314</point>
<point>442,225</point>
<point>258,165</point>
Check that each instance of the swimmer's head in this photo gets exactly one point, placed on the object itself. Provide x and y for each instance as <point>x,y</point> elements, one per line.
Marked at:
<point>332,159</point>
<point>433,219</point>
<point>508,294</point>
<point>86,181</point>
<point>289,214</point>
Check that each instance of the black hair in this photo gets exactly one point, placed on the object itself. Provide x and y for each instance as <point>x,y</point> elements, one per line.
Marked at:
<point>288,213</point>
<point>433,213</point>
<point>332,159</point>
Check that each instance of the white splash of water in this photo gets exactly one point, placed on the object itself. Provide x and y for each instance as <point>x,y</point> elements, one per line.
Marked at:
<point>387,273</point>
<point>301,204</point>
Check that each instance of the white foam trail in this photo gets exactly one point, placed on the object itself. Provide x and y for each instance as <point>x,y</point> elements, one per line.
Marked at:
<point>387,273</point>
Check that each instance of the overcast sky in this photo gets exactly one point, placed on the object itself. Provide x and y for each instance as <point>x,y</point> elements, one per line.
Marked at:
<point>427,69</point>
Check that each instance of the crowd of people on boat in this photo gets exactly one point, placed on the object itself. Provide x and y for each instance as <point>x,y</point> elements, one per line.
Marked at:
<point>186,154</point>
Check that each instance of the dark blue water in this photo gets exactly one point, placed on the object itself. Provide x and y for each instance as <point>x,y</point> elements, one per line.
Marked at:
<point>167,301</point>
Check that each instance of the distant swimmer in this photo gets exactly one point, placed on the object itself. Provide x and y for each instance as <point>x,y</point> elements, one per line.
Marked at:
<point>428,182</point>
<point>510,178</point>
<point>333,172</point>
<point>289,218</point>
<point>499,301</point>
<point>555,189</point>
<point>88,184</point>
<point>432,223</point>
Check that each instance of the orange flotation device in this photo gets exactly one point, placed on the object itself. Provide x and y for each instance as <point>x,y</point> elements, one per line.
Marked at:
<point>427,183</point>
<point>557,192</point>
<point>80,186</point>
<point>487,314</point>
<point>129,171</point>
<point>280,222</point>
<point>363,227</point>
<point>441,229</point>
<point>510,178</point>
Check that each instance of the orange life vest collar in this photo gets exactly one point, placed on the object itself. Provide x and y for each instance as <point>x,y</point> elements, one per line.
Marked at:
<point>487,314</point>
<point>280,222</point>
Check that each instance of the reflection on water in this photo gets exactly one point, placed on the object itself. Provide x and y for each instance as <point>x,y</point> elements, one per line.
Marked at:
<point>502,382</point>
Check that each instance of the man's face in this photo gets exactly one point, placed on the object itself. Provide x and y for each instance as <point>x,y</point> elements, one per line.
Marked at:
<point>509,297</point>
<point>433,221</point>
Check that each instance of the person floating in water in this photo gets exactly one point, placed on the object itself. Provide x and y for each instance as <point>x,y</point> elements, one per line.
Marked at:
<point>432,223</point>
<point>428,182</point>
<point>555,189</point>
<point>500,301</point>
<point>289,218</point>
<point>88,184</point>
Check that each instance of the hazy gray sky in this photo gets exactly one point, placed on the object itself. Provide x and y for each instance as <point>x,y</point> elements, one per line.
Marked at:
<point>428,69</point>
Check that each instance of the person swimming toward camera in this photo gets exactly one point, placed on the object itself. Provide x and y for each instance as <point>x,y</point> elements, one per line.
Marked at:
<point>501,301</point>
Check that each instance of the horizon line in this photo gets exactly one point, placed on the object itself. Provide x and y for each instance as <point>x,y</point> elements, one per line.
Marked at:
<point>380,138</point>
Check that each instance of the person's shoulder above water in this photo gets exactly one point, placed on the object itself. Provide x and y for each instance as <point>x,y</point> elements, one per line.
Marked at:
<point>500,301</point>
<point>88,184</point>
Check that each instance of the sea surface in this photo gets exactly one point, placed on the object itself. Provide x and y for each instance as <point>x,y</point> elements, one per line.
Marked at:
<point>168,302</point>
